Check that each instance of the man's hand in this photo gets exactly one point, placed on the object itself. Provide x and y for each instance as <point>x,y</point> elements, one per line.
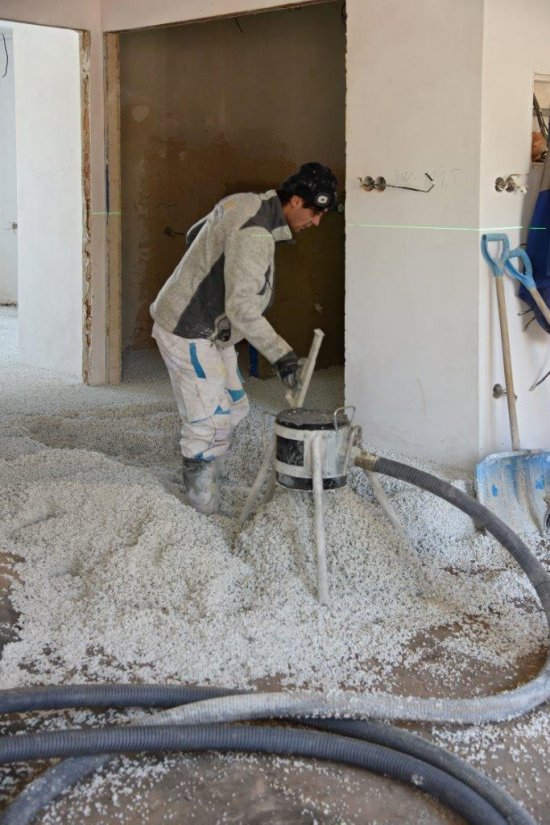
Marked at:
<point>288,369</point>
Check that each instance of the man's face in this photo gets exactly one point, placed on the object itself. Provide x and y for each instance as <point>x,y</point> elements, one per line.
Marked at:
<point>299,216</point>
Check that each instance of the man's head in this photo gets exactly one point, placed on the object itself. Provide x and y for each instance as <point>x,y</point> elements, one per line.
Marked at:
<point>307,195</point>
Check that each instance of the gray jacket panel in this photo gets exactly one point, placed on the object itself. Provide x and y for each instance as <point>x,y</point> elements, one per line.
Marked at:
<point>224,283</point>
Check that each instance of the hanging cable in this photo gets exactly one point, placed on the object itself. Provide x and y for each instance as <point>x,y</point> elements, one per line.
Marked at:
<point>538,383</point>
<point>7,55</point>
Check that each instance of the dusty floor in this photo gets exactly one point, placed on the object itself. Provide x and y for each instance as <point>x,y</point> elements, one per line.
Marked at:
<point>43,416</point>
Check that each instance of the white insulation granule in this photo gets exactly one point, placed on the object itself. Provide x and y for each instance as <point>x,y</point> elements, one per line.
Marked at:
<point>114,578</point>
<point>118,579</point>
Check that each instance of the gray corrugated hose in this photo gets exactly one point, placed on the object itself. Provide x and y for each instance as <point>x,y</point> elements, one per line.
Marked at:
<point>67,773</point>
<point>378,748</point>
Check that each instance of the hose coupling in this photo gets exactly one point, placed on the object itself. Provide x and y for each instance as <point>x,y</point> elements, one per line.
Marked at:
<point>366,460</point>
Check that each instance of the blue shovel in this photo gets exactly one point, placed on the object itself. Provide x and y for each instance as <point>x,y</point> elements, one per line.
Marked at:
<point>526,278</point>
<point>514,485</point>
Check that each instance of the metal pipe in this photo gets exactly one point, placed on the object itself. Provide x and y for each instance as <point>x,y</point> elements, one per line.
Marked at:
<point>267,462</point>
<point>319,523</point>
<point>386,506</point>
<point>269,454</point>
<point>307,372</point>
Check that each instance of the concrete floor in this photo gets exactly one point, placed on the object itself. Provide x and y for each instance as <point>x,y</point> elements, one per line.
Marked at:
<point>210,789</point>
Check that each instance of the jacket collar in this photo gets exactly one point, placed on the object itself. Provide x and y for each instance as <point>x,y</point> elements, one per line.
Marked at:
<point>276,221</point>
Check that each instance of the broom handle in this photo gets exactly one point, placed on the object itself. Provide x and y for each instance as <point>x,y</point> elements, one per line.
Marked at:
<point>507,358</point>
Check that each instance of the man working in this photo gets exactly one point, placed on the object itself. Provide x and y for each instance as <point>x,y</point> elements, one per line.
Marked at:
<point>216,296</point>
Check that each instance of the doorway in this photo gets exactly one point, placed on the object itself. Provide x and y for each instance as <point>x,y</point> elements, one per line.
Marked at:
<point>8,189</point>
<point>234,104</point>
<point>47,216</point>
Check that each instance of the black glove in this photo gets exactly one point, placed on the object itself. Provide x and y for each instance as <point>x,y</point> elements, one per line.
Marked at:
<point>288,368</point>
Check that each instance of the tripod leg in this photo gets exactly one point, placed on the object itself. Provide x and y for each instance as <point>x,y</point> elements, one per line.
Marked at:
<point>319,523</point>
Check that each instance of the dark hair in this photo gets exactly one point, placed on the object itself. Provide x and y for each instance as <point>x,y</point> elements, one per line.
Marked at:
<point>315,184</point>
<point>284,196</point>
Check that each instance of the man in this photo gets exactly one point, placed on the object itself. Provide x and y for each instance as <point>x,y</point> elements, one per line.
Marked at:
<point>216,296</point>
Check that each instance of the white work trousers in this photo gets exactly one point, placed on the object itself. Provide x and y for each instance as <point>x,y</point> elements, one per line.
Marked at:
<point>208,389</point>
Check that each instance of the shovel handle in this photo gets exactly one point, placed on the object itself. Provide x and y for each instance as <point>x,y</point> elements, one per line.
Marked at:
<point>541,303</point>
<point>496,264</point>
<point>526,278</point>
<point>507,359</point>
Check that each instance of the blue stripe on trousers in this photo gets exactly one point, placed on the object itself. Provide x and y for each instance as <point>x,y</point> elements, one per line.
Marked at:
<point>197,366</point>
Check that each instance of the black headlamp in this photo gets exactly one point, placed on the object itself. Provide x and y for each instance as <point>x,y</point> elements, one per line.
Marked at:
<point>316,184</point>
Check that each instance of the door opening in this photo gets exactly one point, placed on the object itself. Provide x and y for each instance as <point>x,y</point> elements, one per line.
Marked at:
<point>50,193</point>
<point>228,105</point>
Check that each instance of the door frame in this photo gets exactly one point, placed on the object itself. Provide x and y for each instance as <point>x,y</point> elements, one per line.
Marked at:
<point>84,39</point>
<point>113,173</point>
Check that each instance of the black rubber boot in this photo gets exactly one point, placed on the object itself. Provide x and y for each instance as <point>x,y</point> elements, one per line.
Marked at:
<point>200,481</point>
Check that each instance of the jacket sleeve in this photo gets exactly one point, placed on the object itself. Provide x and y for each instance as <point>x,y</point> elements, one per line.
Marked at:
<point>248,257</point>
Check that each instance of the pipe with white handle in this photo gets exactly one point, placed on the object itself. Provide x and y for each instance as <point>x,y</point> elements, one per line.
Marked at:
<point>295,400</point>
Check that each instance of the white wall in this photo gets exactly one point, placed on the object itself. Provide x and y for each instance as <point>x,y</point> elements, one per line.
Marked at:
<point>446,92</point>
<point>84,15</point>
<point>414,86</point>
<point>8,185</point>
<point>506,143</point>
<point>77,14</point>
<point>49,195</point>
<point>135,14</point>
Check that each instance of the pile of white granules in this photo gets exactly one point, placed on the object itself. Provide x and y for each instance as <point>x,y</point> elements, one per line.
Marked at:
<point>115,579</point>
